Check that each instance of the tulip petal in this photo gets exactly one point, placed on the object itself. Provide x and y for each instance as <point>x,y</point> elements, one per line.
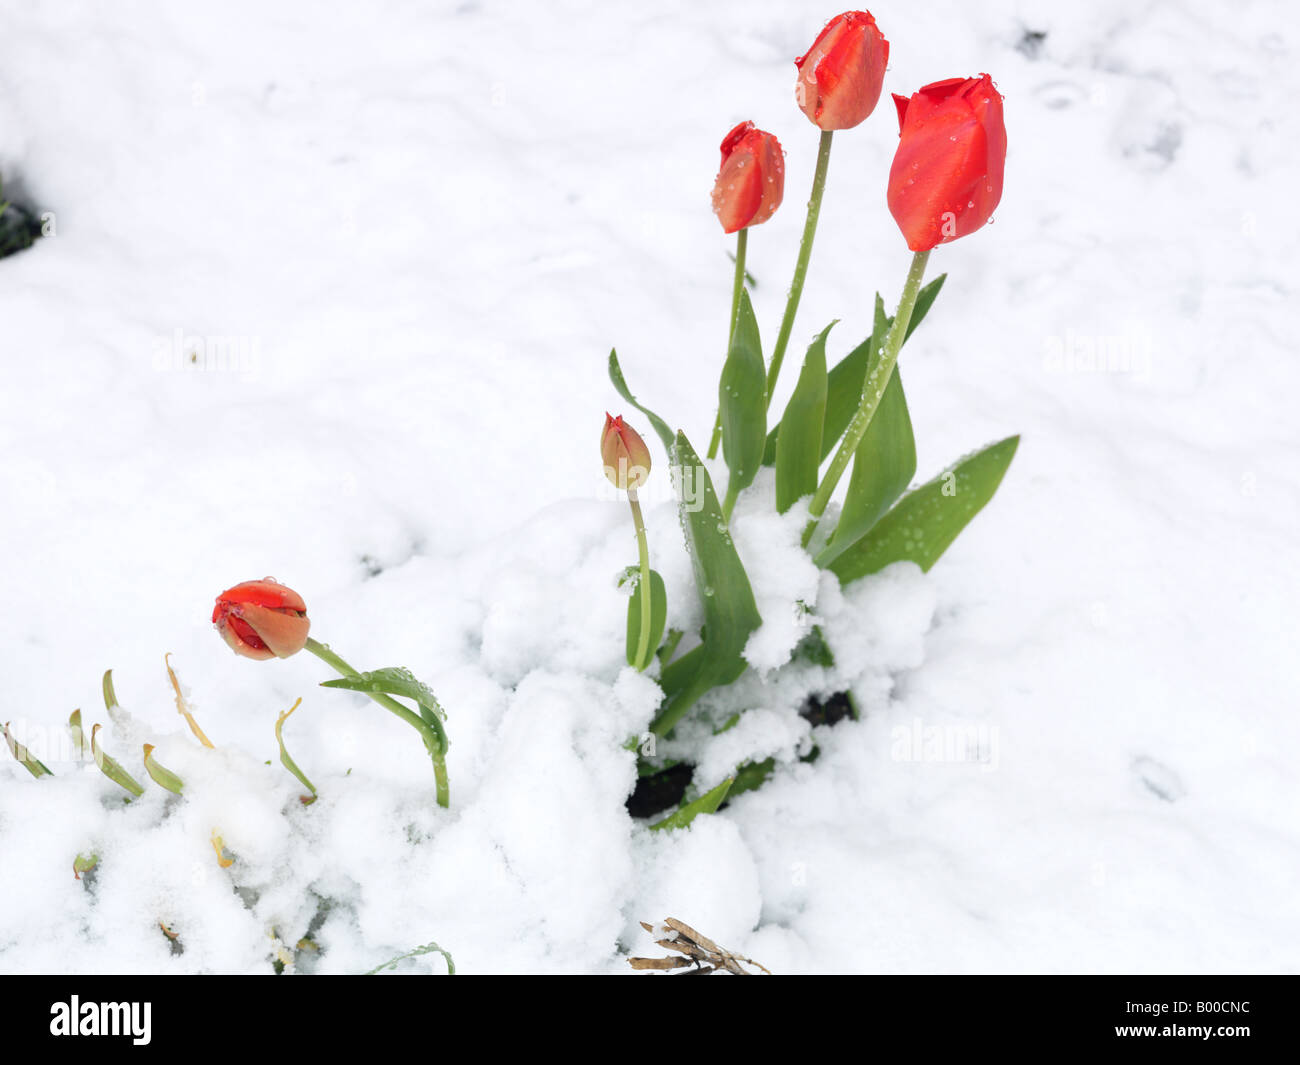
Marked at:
<point>282,634</point>
<point>738,190</point>
<point>263,593</point>
<point>240,636</point>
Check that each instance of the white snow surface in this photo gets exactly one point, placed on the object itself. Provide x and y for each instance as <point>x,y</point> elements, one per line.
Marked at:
<point>399,241</point>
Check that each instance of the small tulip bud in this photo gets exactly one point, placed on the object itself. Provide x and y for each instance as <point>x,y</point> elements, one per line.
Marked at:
<point>626,458</point>
<point>262,619</point>
<point>751,180</point>
<point>946,178</point>
<point>841,75</point>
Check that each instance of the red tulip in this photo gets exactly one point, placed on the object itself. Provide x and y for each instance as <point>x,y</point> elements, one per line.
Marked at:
<point>626,458</point>
<point>946,179</point>
<point>841,75</point>
<point>262,619</point>
<point>751,181</point>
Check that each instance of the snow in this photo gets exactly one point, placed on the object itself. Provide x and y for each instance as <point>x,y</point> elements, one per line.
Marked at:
<point>330,299</point>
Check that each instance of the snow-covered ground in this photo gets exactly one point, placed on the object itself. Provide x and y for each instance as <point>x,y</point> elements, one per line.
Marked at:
<point>399,242</point>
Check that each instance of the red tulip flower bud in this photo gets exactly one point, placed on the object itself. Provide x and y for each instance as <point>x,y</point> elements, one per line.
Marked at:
<point>751,181</point>
<point>626,458</point>
<point>262,619</point>
<point>840,77</point>
<point>946,179</point>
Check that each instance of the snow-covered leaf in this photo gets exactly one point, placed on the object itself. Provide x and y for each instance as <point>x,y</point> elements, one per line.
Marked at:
<point>706,804</point>
<point>730,613</point>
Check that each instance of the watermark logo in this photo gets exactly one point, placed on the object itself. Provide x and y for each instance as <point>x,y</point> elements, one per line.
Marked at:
<point>945,744</point>
<point>209,353</point>
<point>1087,353</point>
<point>102,1018</point>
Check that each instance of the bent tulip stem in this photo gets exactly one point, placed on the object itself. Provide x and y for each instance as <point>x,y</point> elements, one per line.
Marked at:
<point>431,741</point>
<point>801,264</point>
<point>737,286</point>
<point>643,557</point>
<point>873,388</point>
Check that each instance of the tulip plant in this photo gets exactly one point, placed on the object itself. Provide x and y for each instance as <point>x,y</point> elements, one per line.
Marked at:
<point>945,182</point>
<point>264,619</point>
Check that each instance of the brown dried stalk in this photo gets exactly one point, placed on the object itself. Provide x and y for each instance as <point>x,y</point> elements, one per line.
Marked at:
<point>699,951</point>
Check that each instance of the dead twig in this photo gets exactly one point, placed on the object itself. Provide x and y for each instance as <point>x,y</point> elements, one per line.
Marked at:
<point>700,952</point>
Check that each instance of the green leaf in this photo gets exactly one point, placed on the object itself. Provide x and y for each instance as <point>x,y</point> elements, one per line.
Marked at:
<point>78,736</point>
<point>658,619</point>
<point>110,696</point>
<point>33,765</point>
<point>730,613</point>
<point>927,520</point>
<point>742,400</point>
<point>620,386</point>
<point>707,803</point>
<point>428,948</point>
<point>883,467</point>
<point>681,671</point>
<point>110,767</point>
<point>670,645</point>
<point>752,775</point>
<point>813,650</point>
<point>799,436</point>
<point>84,863</point>
<point>161,775</point>
<point>287,761</point>
<point>844,390</point>
<point>397,680</point>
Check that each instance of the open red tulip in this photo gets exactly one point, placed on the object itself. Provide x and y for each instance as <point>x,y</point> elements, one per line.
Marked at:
<point>946,179</point>
<point>751,181</point>
<point>262,619</point>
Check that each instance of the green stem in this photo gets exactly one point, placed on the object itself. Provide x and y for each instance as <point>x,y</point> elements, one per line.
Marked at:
<point>729,501</point>
<point>801,264</point>
<point>643,556</point>
<point>737,286</point>
<point>431,741</point>
<point>873,388</point>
